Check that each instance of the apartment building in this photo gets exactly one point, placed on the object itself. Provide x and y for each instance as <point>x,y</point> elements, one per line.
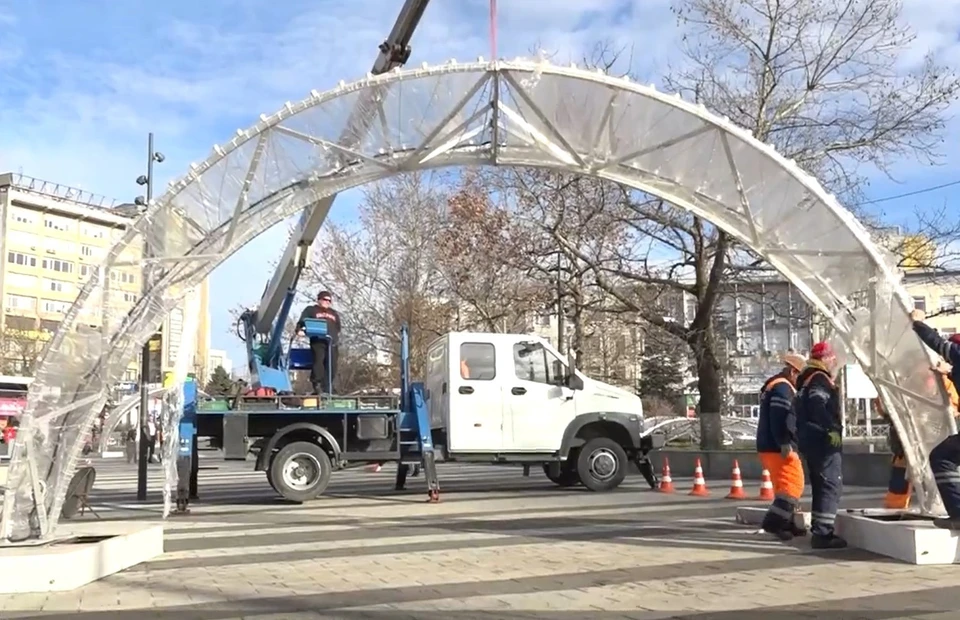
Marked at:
<point>937,294</point>
<point>217,357</point>
<point>53,237</point>
<point>759,320</point>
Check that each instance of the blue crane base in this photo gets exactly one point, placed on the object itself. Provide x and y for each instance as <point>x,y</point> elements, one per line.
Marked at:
<point>416,436</point>
<point>187,457</point>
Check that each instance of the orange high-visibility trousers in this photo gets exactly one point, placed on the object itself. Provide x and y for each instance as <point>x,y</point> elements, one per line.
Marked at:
<point>898,489</point>
<point>785,473</point>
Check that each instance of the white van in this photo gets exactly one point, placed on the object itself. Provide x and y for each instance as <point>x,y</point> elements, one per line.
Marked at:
<point>514,398</point>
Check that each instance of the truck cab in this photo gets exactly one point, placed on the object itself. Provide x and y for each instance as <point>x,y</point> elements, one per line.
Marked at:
<point>514,398</point>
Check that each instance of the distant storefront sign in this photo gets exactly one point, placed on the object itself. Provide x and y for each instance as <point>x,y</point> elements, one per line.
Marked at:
<point>12,406</point>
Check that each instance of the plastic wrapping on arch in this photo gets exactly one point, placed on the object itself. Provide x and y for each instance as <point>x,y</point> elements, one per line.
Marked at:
<point>515,113</point>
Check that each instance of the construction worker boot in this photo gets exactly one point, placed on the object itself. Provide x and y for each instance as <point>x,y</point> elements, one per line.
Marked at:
<point>947,524</point>
<point>772,525</point>
<point>827,542</point>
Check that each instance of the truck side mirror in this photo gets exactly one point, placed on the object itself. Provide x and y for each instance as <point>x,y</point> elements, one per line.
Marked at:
<point>574,382</point>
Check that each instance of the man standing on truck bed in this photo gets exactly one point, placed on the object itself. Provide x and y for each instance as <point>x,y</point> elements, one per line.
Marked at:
<point>324,350</point>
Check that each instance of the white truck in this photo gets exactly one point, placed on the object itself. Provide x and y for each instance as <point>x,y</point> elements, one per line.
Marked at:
<point>494,398</point>
<point>514,398</point>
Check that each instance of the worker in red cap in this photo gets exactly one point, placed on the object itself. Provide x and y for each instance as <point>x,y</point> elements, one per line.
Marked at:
<point>777,448</point>
<point>819,429</point>
<point>945,457</point>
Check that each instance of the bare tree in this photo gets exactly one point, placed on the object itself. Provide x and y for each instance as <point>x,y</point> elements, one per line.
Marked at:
<point>825,84</point>
<point>481,265</point>
<point>569,226</point>
<point>382,269</point>
<point>19,350</point>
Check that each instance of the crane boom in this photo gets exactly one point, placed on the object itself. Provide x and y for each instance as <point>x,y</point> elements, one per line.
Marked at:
<point>268,320</point>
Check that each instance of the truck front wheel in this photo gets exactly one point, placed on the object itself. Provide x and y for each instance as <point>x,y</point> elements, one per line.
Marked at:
<point>602,464</point>
<point>300,471</point>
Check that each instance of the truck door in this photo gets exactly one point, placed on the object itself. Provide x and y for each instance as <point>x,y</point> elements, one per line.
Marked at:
<point>539,407</point>
<point>476,400</point>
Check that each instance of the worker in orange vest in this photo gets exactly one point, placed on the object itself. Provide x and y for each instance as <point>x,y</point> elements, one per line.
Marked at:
<point>777,448</point>
<point>898,488</point>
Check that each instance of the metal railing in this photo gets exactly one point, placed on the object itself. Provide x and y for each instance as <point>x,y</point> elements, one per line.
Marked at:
<point>57,191</point>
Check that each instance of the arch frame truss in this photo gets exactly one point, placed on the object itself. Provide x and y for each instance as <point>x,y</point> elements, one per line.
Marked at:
<point>504,113</point>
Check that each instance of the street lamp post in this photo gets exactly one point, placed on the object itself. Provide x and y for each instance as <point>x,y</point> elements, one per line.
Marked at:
<point>145,181</point>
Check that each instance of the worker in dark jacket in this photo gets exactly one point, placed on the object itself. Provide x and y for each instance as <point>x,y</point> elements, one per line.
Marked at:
<point>325,350</point>
<point>819,434</point>
<point>945,457</point>
<point>777,448</point>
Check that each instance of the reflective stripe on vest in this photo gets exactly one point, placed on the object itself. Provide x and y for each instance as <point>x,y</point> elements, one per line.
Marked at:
<point>816,371</point>
<point>777,381</point>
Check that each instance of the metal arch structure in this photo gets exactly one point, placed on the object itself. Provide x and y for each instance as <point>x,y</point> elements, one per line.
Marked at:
<point>505,113</point>
<point>125,406</point>
<point>682,428</point>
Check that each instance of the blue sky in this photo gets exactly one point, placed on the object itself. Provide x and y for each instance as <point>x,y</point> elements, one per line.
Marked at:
<point>82,82</point>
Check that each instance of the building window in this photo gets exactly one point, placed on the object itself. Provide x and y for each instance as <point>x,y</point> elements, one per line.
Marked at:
<point>920,303</point>
<point>129,298</point>
<point>478,361</point>
<point>52,222</point>
<point>47,325</point>
<point>19,258</point>
<point>52,306</point>
<point>21,280</point>
<point>58,286</point>
<point>24,216</point>
<point>20,302</point>
<point>123,276</point>
<point>19,237</point>
<point>93,231</point>
<point>948,303</point>
<point>59,246</point>
<point>54,264</point>
<point>20,323</point>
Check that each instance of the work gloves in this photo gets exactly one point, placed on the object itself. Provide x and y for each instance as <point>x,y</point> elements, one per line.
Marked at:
<point>835,439</point>
<point>785,450</point>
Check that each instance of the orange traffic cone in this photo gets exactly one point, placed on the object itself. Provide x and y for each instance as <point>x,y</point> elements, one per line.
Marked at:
<point>666,482</point>
<point>699,484</point>
<point>736,483</point>
<point>766,486</point>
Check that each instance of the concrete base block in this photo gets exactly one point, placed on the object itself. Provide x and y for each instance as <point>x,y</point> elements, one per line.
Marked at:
<point>81,554</point>
<point>748,515</point>
<point>905,536</point>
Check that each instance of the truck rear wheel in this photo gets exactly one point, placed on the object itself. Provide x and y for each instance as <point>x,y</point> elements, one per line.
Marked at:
<point>300,471</point>
<point>602,464</point>
<point>562,474</point>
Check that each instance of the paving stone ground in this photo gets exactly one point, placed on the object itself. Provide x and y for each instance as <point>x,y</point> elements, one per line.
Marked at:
<point>498,546</point>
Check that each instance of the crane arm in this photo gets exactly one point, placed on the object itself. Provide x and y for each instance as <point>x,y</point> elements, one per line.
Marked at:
<point>270,317</point>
